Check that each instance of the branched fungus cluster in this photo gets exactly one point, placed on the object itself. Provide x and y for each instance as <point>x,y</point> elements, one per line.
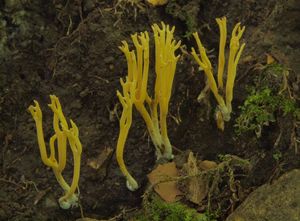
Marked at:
<point>153,110</point>
<point>58,153</point>
<point>224,108</point>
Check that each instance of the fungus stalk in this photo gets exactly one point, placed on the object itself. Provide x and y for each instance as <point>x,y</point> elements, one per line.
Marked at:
<point>125,123</point>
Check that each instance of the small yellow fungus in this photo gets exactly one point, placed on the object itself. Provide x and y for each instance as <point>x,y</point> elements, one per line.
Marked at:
<point>224,108</point>
<point>157,2</point>
<point>57,158</point>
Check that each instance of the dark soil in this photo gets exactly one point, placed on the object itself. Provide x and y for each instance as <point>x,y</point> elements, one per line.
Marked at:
<point>70,49</point>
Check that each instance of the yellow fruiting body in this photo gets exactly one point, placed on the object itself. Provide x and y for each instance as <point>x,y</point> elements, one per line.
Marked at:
<point>137,73</point>
<point>224,102</point>
<point>205,64</point>
<point>57,157</point>
<point>221,64</point>
<point>234,57</point>
<point>137,78</point>
<point>165,66</point>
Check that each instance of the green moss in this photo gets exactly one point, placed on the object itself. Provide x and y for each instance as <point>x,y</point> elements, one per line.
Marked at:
<point>271,77</point>
<point>257,111</point>
<point>260,109</point>
<point>269,99</point>
<point>158,210</point>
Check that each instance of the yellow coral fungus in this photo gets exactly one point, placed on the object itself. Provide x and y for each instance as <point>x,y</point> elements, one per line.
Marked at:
<point>137,78</point>
<point>165,66</point>
<point>224,108</point>
<point>57,158</point>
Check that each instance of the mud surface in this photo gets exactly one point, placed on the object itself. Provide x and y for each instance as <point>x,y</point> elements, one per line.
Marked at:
<point>70,49</point>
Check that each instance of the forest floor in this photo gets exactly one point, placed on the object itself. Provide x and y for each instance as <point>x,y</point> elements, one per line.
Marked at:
<point>70,49</point>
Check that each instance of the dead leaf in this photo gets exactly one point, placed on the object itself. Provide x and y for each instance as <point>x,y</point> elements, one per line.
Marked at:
<point>168,191</point>
<point>270,59</point>
<point>197,186</point>
<point>97,162</point>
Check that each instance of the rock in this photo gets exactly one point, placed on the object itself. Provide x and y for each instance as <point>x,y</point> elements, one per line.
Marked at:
<point>279,201</point>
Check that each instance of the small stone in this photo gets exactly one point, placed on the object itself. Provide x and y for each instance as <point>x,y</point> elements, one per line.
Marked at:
<point>109,60</point>
<point>76,104</point>
<point>51,203</point>
<point>84,93</point>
